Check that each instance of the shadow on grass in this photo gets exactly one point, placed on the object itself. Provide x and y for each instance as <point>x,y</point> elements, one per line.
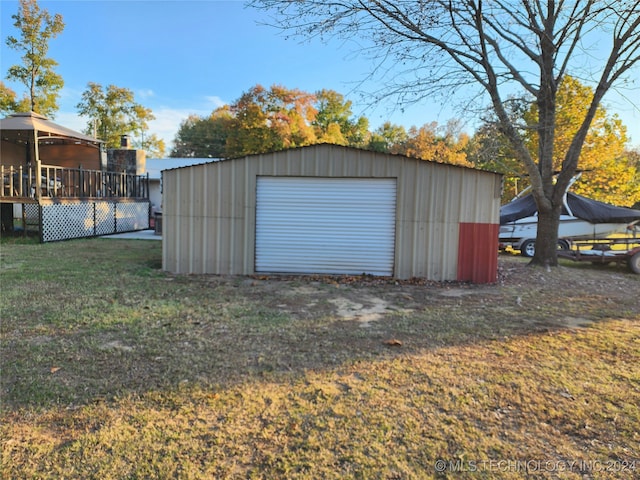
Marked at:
<point>106,322</point>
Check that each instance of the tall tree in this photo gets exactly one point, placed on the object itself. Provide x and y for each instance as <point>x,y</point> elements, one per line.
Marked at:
<point>615,181</point>
<point>489,150</point>
<point>264,120</point>
<point>37,27</point>
<point>500,47</point>
<point>112,113</point>
<point>633,156</point>
<point>388,138</point>
<point>269,120</point>
<point>434,143</point>
<point>606,176</point>
<point>7,100</point>
<point>334,120</point>
<point>204,137</point>
<point>153,146</point>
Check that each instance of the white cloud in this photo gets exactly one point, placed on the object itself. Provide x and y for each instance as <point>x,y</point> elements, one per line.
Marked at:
<point>145,93</point>
<point>70,96</point>
<point>167,122</point>
<point>215,101</point>
<point>71,120</point>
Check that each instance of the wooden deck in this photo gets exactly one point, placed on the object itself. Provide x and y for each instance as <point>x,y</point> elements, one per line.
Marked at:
<point>26,185</point>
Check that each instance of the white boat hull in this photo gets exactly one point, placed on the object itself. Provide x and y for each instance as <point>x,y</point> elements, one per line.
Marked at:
<point>570,228</point>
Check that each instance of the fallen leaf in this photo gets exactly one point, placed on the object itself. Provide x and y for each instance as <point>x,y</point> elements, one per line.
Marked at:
<point>54,369</point>
<point>393,342</point>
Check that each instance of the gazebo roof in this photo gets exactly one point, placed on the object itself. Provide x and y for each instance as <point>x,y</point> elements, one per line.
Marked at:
<point>19,128</point>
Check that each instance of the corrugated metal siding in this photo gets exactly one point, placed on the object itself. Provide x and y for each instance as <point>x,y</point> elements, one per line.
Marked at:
<point>325,225</point>
<point>209,210</point>
<point>478,253</point>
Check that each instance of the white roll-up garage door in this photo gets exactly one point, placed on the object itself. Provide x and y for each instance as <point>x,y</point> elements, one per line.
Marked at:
<point>325,225</point>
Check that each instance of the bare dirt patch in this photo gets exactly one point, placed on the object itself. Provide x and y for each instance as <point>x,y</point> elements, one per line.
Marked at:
<point>370,310</point>
<point>520,288</point>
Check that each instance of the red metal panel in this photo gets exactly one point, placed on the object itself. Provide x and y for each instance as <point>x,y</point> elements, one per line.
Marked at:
<point>478,252</point>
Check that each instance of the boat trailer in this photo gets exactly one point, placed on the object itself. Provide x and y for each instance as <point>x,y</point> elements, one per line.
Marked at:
<point>606,251</point>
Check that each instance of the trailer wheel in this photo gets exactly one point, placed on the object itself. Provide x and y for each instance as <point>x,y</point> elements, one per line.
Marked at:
<point>634,263</point>
<point>528,248</point>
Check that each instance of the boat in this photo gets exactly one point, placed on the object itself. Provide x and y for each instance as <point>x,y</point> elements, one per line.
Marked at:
<point>581,219</point>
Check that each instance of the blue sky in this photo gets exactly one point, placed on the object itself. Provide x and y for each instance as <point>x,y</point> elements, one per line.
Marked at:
<point>189,57</point>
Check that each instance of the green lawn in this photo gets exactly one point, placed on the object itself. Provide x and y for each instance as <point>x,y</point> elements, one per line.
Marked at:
<point>113,369</point>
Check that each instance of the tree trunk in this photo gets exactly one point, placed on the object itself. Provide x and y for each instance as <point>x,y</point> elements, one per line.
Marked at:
<point>546,253</point>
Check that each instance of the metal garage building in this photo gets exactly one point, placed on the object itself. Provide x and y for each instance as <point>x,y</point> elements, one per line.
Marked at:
<point>333,210</point>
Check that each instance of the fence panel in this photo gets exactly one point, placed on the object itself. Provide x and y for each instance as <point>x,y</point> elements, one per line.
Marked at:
<point>64,221</point>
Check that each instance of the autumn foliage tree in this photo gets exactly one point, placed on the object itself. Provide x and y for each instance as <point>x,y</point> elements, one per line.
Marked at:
<point>269,120</point>
<point>266,120</point>
<point>435,143</point>
<point>607,173</point>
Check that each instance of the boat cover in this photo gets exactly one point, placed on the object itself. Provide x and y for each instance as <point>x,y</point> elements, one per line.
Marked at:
<point>581,207</point>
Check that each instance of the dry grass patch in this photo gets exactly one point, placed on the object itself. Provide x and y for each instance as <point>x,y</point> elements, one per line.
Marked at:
<point>123,371</point>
